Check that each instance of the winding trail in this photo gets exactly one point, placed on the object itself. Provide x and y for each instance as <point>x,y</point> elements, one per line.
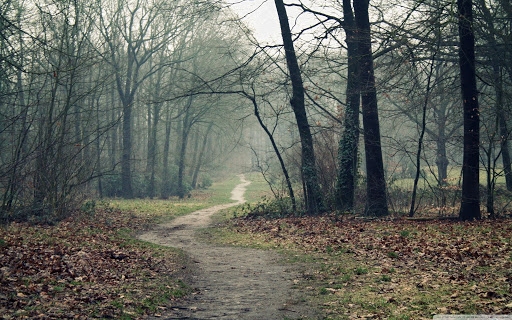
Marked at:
<point>232,283</point>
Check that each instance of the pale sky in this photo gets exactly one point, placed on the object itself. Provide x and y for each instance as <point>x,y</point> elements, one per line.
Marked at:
<point>261,17</point>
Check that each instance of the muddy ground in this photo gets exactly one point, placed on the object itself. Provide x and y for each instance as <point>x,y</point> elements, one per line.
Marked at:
<point>230,282</point>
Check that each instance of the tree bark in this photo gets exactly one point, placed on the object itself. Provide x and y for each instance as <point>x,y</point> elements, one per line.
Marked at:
<point>312,194</point>
<point>195,153</point>
<point>376,203</point>
<point>348,146</point>
<point>470,203</point>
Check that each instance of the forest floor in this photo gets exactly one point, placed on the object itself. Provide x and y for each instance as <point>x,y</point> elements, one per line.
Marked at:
<point>392,268</point>
<point>87,266</point>
<point>327,267</point>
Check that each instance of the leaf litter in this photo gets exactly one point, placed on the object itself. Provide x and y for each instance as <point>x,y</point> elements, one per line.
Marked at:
<point>396,268</point>
<point>84,267</point>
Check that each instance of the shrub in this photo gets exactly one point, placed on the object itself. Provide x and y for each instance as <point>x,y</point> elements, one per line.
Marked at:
<point>271,208</point>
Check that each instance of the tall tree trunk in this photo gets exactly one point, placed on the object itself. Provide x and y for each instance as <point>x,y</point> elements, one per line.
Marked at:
<point>152,140</point>
<point>348,146</point>
<point>181,162</point>
<point>126,172</point>
<point>187,125</point>
<point>376,204</point>
<point>195,153</point>
<point>166,184</point>
<point>127,94</point>
<point>99,167</point>
<point>505,149</point>
<point>312,194</point>
<point>470,203</point>
<point>199,163</point>
<point>113,131</point>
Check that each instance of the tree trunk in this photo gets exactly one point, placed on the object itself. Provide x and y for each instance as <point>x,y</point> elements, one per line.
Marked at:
<point>181,162</point>
<point>470,203</point>
<point>186,126</point>
<point>99,167</point>
<point>312,194</point>
<point>348,146</point>
<point>166,185</point>
<point>153,120</point>
<point>442,161</point>
<point>195,152</point>
<point>376,204</point>
<point>199,163</point>
<point>113,131</point>
<point>505,149</point>
<point>126,173</point>
<point>153,150</point>
<point>491,181</point>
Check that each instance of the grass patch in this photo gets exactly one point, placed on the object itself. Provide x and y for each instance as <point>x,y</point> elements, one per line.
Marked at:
<point>159,210</point>
<point>156,209</point>
<point>393,254</point>
<point>258,188</point>
<point>361,271</point>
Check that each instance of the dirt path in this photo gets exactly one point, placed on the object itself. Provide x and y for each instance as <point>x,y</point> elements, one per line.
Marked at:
<point>232,283</point>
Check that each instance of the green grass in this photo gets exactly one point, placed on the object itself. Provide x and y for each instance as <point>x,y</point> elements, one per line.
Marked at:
<point>405,233</point>
<point>361,271</point>
<point>393,254</point>
<point>156,207</point>
<point>453,179</point>
<point>162,210</point>
<point>257,189</point>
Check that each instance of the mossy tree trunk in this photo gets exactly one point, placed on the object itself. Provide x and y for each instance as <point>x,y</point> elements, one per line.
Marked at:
<point>376,203</point>
<point>348,147</point>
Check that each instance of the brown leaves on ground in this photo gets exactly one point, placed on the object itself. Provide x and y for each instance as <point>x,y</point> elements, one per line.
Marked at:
<point>399,269</point>
<point>83,268</point>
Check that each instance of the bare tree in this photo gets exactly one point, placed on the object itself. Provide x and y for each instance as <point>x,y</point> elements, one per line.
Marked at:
<point>376,183</point>
<point>349,142</point>
<point>313,198</point>
<point>134,32</point>
<point>470,205</point>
